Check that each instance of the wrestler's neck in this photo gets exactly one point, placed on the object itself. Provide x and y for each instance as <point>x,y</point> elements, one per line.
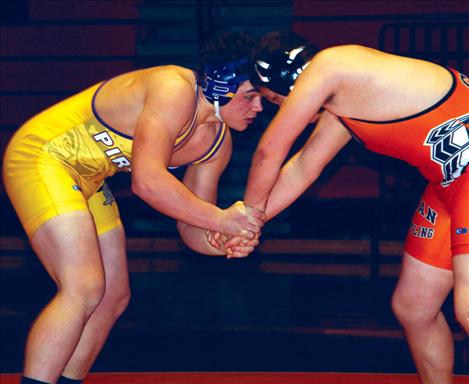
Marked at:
<point>207,111</point>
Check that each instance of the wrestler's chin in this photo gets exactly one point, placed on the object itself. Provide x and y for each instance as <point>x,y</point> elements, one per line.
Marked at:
<point>241,126</point>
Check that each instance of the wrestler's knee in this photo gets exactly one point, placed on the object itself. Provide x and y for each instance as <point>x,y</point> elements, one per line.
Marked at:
<point>121,303</point>
<point>461,311</point>
<point>116,301</point>
<point>462,316</point>
<point>399,307</point>
<point>85,292</point>
<point>461,289</point>
<point>409,312</point>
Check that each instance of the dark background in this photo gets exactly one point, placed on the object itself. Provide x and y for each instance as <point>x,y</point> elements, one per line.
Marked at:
<point>315,296</point>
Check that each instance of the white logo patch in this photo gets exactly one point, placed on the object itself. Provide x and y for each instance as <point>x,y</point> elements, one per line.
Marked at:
<point>449,144</point>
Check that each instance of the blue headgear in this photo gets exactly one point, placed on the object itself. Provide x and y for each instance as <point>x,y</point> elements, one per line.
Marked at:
<point>221,81</point>
<point>279,72</point>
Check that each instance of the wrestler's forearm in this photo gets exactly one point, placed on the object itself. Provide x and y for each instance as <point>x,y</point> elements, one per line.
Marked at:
<point>328,138</point>
<point>292,182</point>
<point>262,176</point>
<point>166,194</point>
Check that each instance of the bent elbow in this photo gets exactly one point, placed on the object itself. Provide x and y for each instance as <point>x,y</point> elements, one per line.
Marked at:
<point>262,155</point>
<point>140,188</point>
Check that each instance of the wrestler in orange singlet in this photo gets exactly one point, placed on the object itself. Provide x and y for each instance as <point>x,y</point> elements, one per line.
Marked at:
<point>402,107</point>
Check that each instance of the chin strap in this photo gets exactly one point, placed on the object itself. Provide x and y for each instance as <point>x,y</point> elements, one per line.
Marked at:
<point>217,110</point>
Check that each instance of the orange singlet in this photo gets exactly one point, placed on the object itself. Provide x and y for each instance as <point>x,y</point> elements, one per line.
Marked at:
<point>436,141</point>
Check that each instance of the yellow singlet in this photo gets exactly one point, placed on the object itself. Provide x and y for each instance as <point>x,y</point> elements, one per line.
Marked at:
<point>57,162</point>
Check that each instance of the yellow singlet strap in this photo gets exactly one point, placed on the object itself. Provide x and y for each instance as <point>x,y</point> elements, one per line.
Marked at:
<point>214,147</point>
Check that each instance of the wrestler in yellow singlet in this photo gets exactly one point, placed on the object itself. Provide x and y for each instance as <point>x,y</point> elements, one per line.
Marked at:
<point>58,161</point>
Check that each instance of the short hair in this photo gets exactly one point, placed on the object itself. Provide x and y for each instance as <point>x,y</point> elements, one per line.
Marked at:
<point>224,48</point>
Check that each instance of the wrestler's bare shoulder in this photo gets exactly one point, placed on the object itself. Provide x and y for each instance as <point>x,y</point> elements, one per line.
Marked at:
<point>359,66</point>
<point>354,58</point>
<point>340,54</point>
<point>121,100</point>
<point>167,76</point>
<point>152,79</point>
<point>337,64</point>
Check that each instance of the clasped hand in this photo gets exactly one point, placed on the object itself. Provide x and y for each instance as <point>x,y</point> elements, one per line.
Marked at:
<point>244,231</point>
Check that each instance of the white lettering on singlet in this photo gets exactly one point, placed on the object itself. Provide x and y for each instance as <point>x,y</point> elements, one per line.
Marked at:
<point>420,231</point>
<point>106,139</point>
<point>113,151</point>
<point>427,212</point>
<point>121,162</point>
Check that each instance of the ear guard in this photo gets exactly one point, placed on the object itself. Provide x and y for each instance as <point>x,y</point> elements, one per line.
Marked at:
<point>221,81</point>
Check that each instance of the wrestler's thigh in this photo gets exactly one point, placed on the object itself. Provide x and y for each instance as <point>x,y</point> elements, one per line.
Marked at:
<point>423,287</point>
<point>428,239</point>
<point>113,251</point>
<point>458,207</point>
<point>461,283</point>
<point>111,237</point>
<point>42,189</point>
<point>68,247</point>
<point>458,203</point>
<point>103,207</point>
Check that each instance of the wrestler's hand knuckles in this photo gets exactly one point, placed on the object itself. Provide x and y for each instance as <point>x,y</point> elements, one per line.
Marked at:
<point>237,221</point>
